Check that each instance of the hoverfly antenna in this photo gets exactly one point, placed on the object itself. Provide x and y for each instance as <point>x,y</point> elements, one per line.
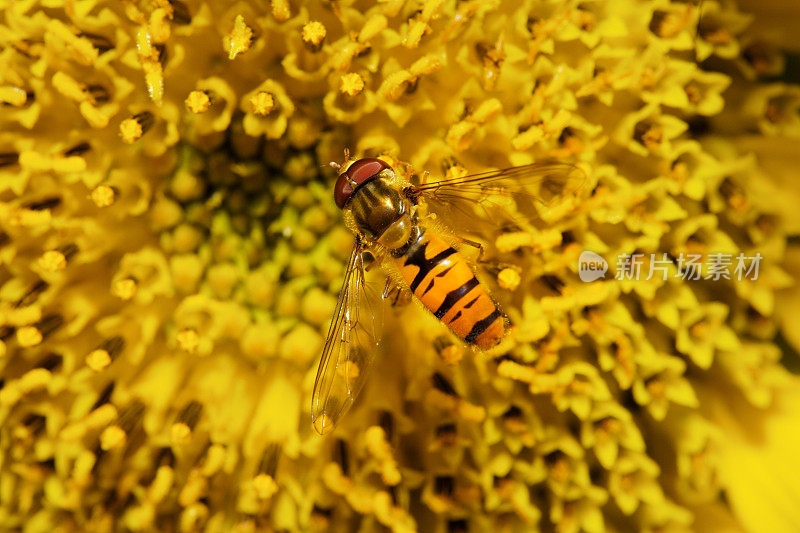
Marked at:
<point>337,166</point>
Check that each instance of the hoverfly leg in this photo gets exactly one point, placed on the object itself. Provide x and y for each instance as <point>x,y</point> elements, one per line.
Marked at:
<point>386,289</point>
<point>408,170</point>
<point>474,244</point>
<point>368,260</point>
<point>400,296</point>
<point>425,175</point>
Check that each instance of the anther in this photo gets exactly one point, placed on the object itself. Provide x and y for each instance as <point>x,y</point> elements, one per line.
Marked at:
<point>97,94</point>
<point>190,414</point>
<point>444,485</point>
<point>78,149</point>
<point>130,416</point>
<point>33,293</point>
<point>101,43</point>
<point>45,203</point>
<point>49,324</point>
<point>447,434</point>
<point>161,48</point>
<point>105,396</point>
<point>342,456</point>
<point>443,385</point>
<point>8,158</point>
<point>386,422</point>
<point>52,361</point>
<point>269,460</point>
<point>180,12</point>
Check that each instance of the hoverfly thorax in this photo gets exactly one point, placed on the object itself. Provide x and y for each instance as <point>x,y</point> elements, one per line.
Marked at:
<point>379,210</point>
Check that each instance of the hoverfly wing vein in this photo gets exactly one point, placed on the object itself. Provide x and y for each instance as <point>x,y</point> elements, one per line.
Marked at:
<point>324,399</point>
<point>476,196</point>
<point>349,348</point>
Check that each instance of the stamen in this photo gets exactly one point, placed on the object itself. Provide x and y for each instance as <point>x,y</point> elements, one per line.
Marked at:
<point>33,293</point>
<point>53,261</point>
<point>188,340</point>
<point>103,196</point>
<point>28,336</point>
<point>101,43</point>
<point>46,203</point>
<point>180,12</point>
<point>8,159</point>
<point>131,129</point>
<point>238,41</point>
<point>441,383</point>
<point>51,362</point>
<point>280,10</point>
<point>313,35</point>
<point>263,103</point>
<point>78,149</point>
<point>98,360</point>
<point>351,84</point>
<point>198,102</point>
<point>124,289</point>
<point>97,94</point>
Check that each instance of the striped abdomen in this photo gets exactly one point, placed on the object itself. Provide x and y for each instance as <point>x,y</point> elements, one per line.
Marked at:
<point>443,281</point>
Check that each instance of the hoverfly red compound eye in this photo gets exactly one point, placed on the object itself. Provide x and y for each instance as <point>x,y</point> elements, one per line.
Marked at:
<point>356,175</point>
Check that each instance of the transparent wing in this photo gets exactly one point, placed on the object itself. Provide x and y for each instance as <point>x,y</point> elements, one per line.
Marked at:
<point>510,195</point>
<point>353,340</point>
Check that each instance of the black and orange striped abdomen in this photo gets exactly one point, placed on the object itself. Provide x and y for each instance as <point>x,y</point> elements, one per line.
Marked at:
<point>443,281</point>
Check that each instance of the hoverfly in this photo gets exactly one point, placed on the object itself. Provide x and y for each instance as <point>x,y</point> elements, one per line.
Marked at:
<point>393,223</point>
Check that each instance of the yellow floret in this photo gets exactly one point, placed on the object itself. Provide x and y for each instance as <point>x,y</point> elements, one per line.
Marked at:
<point>238,40</point>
